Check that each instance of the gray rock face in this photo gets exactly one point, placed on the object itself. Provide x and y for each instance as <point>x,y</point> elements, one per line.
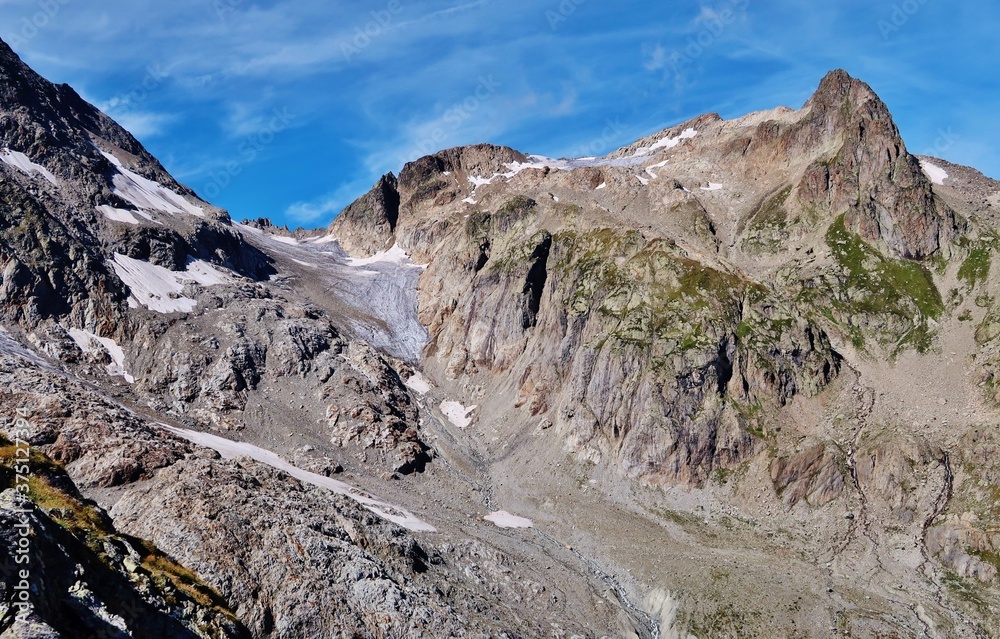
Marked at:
<point>367,225</point>
<point>68,572</point>
<point>872,177</point>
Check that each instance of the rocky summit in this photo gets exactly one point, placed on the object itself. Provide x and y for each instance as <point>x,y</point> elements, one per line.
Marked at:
<point>737,379</point>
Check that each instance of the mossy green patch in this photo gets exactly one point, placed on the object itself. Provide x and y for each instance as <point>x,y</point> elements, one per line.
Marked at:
<point>976,267</point>
<point>873,296</point>
<point>768,229</point>
<point>53,492</point>
<point>650,289</point>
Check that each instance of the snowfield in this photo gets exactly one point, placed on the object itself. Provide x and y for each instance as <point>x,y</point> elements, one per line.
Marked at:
<point>123,215</point>
<point>233,450</point>
<point>936,174</point>
<point>159,289</point>
<point>148,195</point>
<point>23,162</point>
<point>91,344</point>
<point>503,519</point>
<point>458,414</point>
<point>418,383</point>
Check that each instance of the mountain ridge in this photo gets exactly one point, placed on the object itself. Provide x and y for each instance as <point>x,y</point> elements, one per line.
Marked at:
<point>723,370</point>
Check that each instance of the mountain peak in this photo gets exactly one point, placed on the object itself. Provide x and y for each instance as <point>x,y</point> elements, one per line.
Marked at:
<point>838,87</point>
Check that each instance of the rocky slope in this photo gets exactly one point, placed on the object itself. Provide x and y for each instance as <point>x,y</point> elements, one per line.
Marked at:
<point>735,379</point>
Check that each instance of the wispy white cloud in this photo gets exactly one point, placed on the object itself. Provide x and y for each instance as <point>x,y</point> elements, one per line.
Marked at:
<point>609,73</point>
<point>655,57</point>
<point>144,125</point>
<point>323,209</point>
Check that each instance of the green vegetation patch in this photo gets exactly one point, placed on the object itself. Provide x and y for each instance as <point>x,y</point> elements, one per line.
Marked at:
<point>873,296</point>
<point>650,290</point>
<point>53,492</point>
<point>883,282</point>
<point>768,229</point>
<point>976,267</point>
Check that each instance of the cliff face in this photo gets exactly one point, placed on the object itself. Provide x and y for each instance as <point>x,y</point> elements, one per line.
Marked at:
<point>636,351</point>
<point>600,289</point>
<point>871,178</point>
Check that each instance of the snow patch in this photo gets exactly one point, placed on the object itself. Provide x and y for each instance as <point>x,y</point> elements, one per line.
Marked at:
<point>232,450</point>
<point>395,255</point>
<point>148,195</point>
<point>91,344</point>
<point>23,162</point>
<point>469,200</point>
<point>603,185</point>
<point>478,181</point>
<point>159,289</point>
<point>285,240</point>
<point>712,186</point>
<point>206,273</point>
<point>568,164</point>
<point>418,383</point>
<point>649,169</point>
<point>458,414</point>
<point>668,142</point>
<point>117,215</point>
<point>936,174</point>
<point>504,519</point>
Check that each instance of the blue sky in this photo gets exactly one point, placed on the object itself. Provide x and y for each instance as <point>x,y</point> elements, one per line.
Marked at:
<point>291,109</point>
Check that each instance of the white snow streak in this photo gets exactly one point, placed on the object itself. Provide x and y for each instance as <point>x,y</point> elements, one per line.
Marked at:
<point>458,414</point>
<point>93,345</point>
<point>712,186</point>
<point>568,164</point>
<point>504,519</point>
<point>934,172</point>
<point>649,169</point>
<point>232,450</point>
<point>23,162</point>
<point>148,195</point>
<point>668,142</point>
